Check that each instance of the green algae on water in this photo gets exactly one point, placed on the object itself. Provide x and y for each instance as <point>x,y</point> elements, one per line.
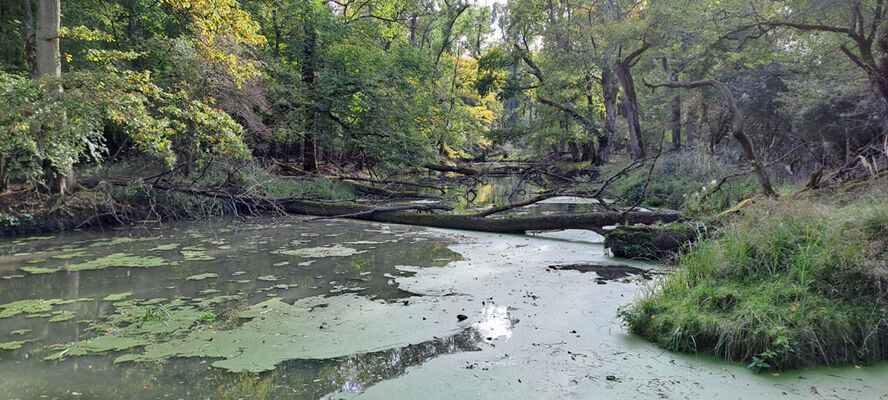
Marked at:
<point>68,256</point>
<point>39,270</point>
<point>200,277</point>
<point>120,240</point>
<point>14,345</point>
<point>165,247</point>
<point>336,250</point>
<point>124,260</point>
<point>33,307</point>
<point>60,316</point>
<point>117,296</point>
<point>196,254</point>
<point>156,300</point>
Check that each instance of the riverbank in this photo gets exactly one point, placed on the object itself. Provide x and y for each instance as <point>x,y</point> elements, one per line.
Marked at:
<point>117,195</point>
<point>784,284</point>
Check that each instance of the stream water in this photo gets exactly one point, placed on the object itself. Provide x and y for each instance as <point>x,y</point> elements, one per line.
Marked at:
<point>272,309</point>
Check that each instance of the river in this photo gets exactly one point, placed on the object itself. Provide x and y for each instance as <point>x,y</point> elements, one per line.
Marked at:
<point>289,308</point>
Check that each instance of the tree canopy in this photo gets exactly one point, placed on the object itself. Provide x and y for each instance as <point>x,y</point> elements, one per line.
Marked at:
<point>394,83</point>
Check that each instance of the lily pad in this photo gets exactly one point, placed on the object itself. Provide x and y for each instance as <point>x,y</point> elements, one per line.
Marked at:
<point>238,273</point>
<point>268,278</point>
<point>21,332</point>
<point>208,291</point>
<point>13,276</point>
<point>200,277</point>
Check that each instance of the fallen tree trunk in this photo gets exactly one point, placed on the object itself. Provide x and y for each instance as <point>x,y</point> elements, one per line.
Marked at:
<point>447,168</point>
<point>375,191</point>
<point>592,221</point>
<point>473,222</point>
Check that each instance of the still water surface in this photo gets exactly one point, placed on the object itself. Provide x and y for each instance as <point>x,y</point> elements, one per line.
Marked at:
<point>342,309</point>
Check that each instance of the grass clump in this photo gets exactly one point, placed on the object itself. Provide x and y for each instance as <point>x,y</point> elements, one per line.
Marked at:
<point>786,284</point>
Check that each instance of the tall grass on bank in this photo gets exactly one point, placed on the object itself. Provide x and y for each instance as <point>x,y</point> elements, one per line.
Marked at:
<point>789,283</point>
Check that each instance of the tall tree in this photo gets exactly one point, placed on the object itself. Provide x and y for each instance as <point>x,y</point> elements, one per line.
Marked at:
<point>49,64</point>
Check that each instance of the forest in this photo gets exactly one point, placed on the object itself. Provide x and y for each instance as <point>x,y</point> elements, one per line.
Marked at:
<point>733,152</point>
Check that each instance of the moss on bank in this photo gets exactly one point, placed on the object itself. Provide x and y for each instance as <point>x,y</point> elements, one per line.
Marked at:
<point>787,283</point>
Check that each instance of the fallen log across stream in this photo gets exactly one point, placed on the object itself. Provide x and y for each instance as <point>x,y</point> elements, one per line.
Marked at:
<point>592,220</point>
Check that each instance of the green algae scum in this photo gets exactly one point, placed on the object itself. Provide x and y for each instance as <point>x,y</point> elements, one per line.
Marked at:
<point>341,309</point>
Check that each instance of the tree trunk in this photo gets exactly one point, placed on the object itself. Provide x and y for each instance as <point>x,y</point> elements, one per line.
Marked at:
<point>413,21</point>
<point>49,22</point>
<point>630,109</point>
<point>691,123</point>
<point>676,123</point>
<point>30,40</point>
<point>676,107</point>
<point>880,87</point>
<point>4,174</point>
<point>609,91</point>
<point>49,64</point>
<point>309,53</point>
<point>593,220</point>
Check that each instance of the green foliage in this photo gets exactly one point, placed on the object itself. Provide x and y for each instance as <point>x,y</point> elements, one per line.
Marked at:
<point>786,284</point>
<point>39,123</point>
<point>680,180</point>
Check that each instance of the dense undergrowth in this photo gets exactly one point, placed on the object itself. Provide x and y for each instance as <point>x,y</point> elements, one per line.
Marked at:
<point>681,181</point>
<point>107,201</point>
<point>786,283</point>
